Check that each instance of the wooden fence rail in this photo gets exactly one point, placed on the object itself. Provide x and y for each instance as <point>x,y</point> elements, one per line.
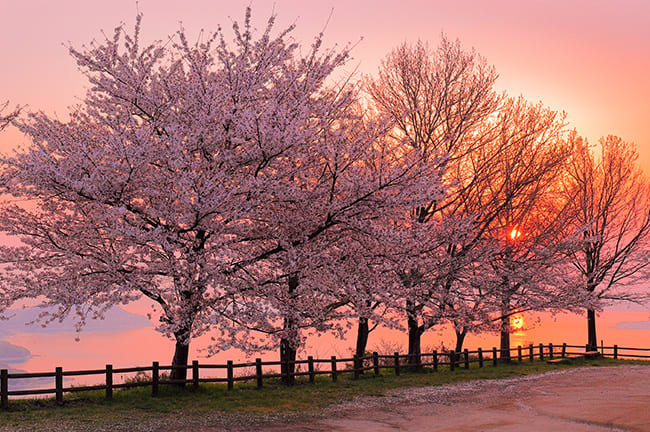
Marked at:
<point>354,366</point>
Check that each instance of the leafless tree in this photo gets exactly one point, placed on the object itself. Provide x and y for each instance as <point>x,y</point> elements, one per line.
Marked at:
<point>438,98</point>
<point>440,101</point>
<point>512,257</point>
<point>611,196</point>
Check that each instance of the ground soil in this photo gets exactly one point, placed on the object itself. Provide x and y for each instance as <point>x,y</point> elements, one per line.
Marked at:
<point>586,399</point>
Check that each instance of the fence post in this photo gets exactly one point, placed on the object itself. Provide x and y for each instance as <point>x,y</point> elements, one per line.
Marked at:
<point>310,368</point>
<point>375,362</point>
<point>58,378</point>
<point>494,356</point>
<point>4,388</point>
<point>355,366</point>
<point>155,378</point>
<point>519,357</point>
<point>333,368</point>
<point>541,351</point>
<point>587,348</point>
<point>452,360</point>
<point>195,375</point>
<point>466,358</point>
<point>550,351</point>
<point>480,357</point>
<point>564,349</point>
<point>230,375</point>
<point>615,351</point>
<point>109,382</point>
<point>530,352</point>
<point>258,372</point>
<point>396,358</point>
<point>435,360</point>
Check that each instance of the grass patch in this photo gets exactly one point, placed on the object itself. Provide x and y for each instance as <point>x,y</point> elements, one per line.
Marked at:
<point>213,404</point>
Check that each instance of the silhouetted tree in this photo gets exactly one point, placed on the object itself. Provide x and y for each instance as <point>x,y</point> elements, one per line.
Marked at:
<point>611,200</point>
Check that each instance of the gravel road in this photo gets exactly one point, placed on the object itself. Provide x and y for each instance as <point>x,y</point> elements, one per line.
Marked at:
<point>577,400</point>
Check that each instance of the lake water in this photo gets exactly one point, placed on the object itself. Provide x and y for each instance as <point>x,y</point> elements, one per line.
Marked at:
<point>141,346</point>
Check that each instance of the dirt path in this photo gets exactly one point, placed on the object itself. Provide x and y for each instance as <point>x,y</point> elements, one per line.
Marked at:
<point>577,400</point>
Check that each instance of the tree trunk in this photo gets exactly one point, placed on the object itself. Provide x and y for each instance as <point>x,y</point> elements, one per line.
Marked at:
<point>287,362</point>
<point>181,354</point>
<point>505,339</point>
<point>415,332</point>
<point>591,330</point>
<point>460,338</point>
<point>287,348</point>
<point>362,337</point>
<point>182,336</point>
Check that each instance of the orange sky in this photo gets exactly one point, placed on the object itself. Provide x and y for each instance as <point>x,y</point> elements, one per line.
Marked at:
<point>589,58</point>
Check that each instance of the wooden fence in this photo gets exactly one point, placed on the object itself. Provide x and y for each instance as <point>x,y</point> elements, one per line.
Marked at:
<point>354,366</point>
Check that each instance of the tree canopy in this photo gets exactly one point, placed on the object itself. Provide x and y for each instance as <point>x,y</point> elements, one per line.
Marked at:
<point>251,189</point>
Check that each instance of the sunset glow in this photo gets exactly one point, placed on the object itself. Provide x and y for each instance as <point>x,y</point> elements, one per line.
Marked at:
<point>588,58</point>
<point>514,234</point>
<point>318,186</point>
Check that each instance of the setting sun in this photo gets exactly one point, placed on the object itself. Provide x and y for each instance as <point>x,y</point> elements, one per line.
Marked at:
<point>515,234</point>
<point>517,322</point>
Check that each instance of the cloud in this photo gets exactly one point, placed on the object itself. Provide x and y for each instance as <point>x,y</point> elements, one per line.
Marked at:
<point>633,325</point>
<point>115,319</point>
<point>10,353</point>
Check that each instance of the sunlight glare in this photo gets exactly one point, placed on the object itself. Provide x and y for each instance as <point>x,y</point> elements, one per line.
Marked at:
<point>515,234</point>
<point>517,322</point>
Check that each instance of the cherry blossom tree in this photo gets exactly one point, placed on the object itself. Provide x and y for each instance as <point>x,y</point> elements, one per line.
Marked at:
<point>5,119</point>
<point>440,100</point>
<point>224,183</point>
<point>522,218</point>
<point>335,229</point>
<point>611,198</point>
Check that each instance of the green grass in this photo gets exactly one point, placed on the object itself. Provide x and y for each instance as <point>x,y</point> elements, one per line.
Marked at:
<point>213,404</point>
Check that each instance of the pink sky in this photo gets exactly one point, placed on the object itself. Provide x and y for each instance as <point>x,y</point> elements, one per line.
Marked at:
<point>95,349</point>
<point>589,58</point>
